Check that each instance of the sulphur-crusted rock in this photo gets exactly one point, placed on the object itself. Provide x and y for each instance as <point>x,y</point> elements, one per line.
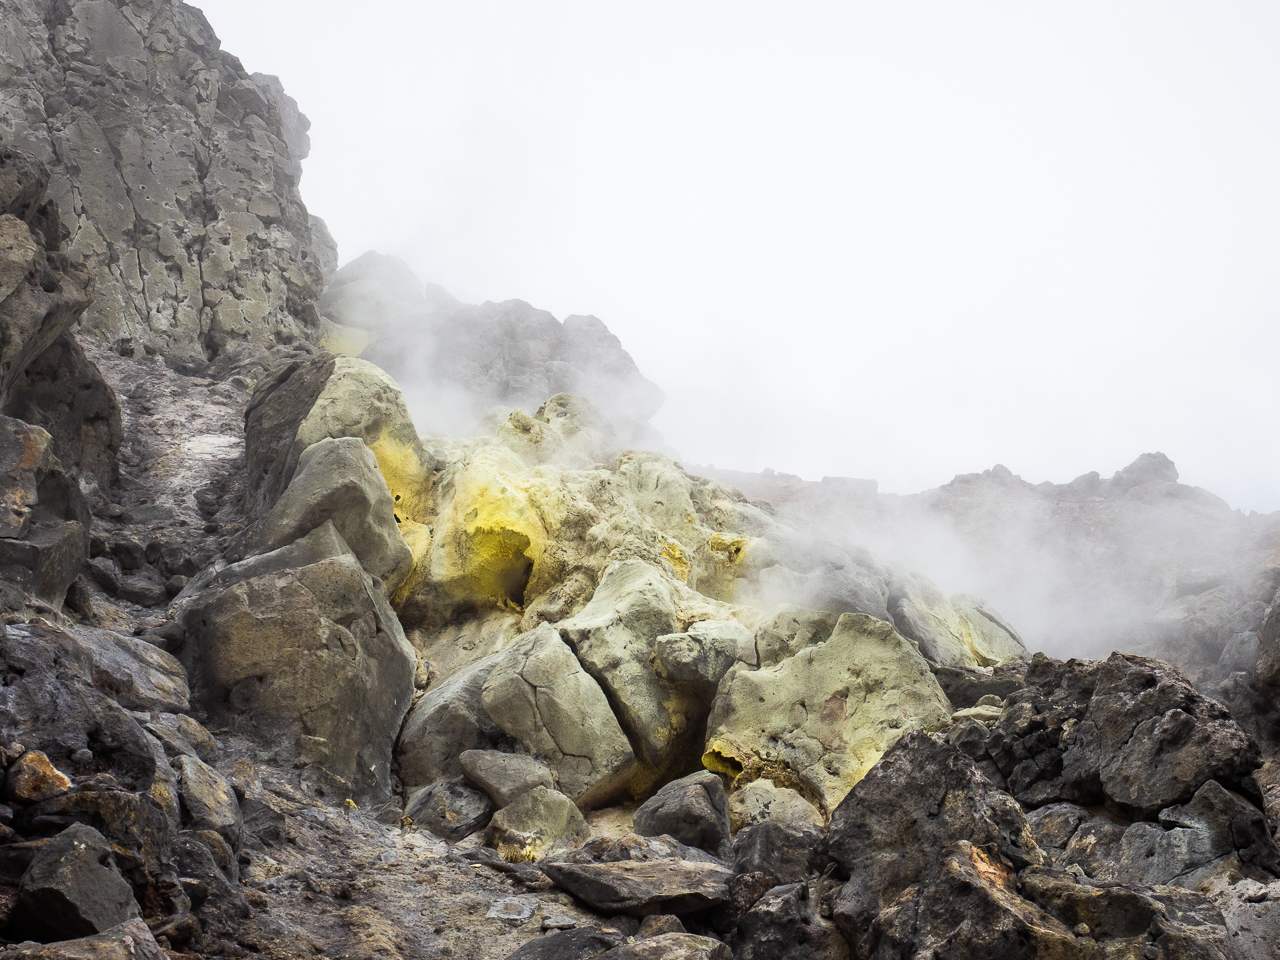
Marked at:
<point>693,810</point>
<point>785,924</point>
<point>899,820</point>
<point>301,643</point>
<point>338,480</point>
<point>505,777</point>
<point>304,402</point>
<point>952,631</point>
<point>63,391</point>
<point>73,887</point>
<point>175,173</point>
<point>828,713</point>
<point>131,940</point>
<point>541,823</point>
<point>540,696</point>
<point>614,638</point>
<point>788,630</point>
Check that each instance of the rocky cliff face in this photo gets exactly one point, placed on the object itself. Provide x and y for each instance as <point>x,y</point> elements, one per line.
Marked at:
<point>174,172</point>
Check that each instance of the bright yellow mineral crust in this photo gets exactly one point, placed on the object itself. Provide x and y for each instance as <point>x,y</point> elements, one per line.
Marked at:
<point>410,484</point>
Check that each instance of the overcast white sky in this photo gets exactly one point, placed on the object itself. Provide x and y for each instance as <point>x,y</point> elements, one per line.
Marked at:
<point>901,240</point>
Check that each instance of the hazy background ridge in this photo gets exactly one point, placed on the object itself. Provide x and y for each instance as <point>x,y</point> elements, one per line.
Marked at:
<point>900,243</point>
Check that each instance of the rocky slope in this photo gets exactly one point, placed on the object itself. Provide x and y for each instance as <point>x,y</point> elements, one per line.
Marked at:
<point>285,673</point>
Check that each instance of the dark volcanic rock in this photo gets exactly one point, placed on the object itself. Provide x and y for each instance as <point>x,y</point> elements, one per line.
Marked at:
<point>785,924</point>
<point>128,941</point>
<point>73,887</point>
<point>785,851</point>
<point>62,391</point>
<point>693,810</point>
<point>641,887</point>
<point>450,810</point>
<point>580,944</point>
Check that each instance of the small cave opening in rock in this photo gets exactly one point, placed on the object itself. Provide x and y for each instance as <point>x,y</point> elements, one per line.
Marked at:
<point>502,566</point>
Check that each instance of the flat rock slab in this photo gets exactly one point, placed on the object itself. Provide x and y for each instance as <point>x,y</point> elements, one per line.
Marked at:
<point>127,941</point>
<point>671,946</point>
<point>644,887</point>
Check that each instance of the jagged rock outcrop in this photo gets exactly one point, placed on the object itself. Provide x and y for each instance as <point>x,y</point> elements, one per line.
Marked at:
<point>175,174</point>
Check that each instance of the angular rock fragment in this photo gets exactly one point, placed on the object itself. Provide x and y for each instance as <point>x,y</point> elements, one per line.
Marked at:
<point>693,810</point>
<point>540,696</point>
<point>450,810</point>
<point>671,946</point>
<point>131,940</point>
<point>541,823</point>
<point>446,723</point>
<point>641,887</point>
<point>827,713</point>
<point>505,777</point>
<point>785,924</point>
<point>73,887</point>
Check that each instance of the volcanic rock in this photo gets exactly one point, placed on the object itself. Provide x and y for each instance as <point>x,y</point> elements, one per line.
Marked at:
<point>74,888</point>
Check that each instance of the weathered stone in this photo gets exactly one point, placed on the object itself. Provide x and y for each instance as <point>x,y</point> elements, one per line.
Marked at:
<point>62,391</point>
<point>580,944</point>
<point>785,924</point>
<point>135,674</point>
<point>785,851</point>
<point>614,638</point>
<point>302,644</point>
<point>541,823</point>
<point>703,654</point>
<point>671,946</point>
<point>450,810</point>
<point>127,941</point>
<point>301,404</point>
<point>762,800</point>
<point>539,695</point>
<point>1251,911</point>
<point>175,173</point>
<point>135,821</point>
<point>641,887</point>
<point>208,800</point>
<point>505,777</point>
<point>693,810</point>
<point>48,704</point>
<point>827,713</point>
<point>73,887</point>
<point>33,778</point>
<point>791,629</point>
<point>181,734</point>
<point>338,480</point>
<point>449,721</point>
<point>898,822</point>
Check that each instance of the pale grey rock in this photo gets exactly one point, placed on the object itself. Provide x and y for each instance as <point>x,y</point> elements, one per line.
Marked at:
<point>505,777</point>
<point>539,694</point>
<point>762,800</point>
<point>703,654</point>
<point>174,171</point>
<point>451,810</point>
<point>541,823</point>
<point>788,630</point>
<point>338,480</point>
<point>208,800</point>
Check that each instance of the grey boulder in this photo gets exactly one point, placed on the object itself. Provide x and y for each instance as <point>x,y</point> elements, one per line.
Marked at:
<point>541,823</point>
<point>693,810</point>
<point>505,777</point>
<point>73,887</point>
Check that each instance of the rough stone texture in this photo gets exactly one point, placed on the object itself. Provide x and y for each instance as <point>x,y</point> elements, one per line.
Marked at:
<point>1129,732</point>
<point>671,946</point>
<point>44,520</point>
<point>790,629</point>
<point>703,654</point>
<point>208,801</point>
<point>641,887</point>
<point>135,674</point>
<point>505,777</point>
<point>33,778</point>
<point>827,713</point>
<point>787,852</point>
<point>174,171</point>
<point>693,810</point>
<point>449,809</point>
<point>762,800</point>
<point>73,887</point>
<point>541,823</point>
<point>63,391</point>
<point>127,941</point>
<point>1252,914</point>
<point>302,403</point>
<point>338,480</point>
<point>785,924</point>
<point>894,826</point>
<point>302,644</point>
<point>540,696</point>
